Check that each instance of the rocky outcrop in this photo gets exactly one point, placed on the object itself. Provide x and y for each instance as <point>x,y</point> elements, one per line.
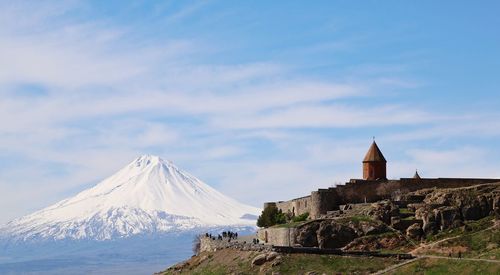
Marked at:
<point>371,243</point>
<point>383,211</point>
<point>307,236</point>
<point>263,258</point>
<point>325,234</point>
<point>496,207</point>
<point>443,209</point>
<point>431,210</point>
<point>335,233</point>
<point>259,259</point>
<point>414,231</point>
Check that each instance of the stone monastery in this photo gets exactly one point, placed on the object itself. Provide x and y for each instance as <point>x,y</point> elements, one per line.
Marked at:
<point>373,187</point>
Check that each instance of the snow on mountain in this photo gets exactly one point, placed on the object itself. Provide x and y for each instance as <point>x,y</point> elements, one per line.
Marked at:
<point>147,196</point>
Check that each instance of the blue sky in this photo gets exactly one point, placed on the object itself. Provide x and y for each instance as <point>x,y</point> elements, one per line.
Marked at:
<point>264,100</point>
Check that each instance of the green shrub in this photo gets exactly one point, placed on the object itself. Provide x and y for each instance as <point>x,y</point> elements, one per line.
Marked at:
<point>271,216</point>
<point>300,218</point>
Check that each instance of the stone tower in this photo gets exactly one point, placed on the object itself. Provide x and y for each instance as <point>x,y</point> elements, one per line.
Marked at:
<point>374,164</point>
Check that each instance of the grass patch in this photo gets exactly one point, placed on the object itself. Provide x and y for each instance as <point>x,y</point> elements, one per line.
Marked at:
<point>356,218</point>
<point>471,226</point>
<point>330,264</point>
<point>493,254</point>
<point>210,270</point>
<point>444,266</point>
<point>361,218</point>
<point>405,211</point>
<point>288,225</point>
<point>291,264</point>
<point>477,243</point>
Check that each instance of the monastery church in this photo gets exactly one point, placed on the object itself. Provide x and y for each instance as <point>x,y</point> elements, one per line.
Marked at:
<point>374,186</point>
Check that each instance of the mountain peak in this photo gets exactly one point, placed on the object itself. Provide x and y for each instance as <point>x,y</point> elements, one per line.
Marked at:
<point>150,160</point>
<point>148,195</point>
<point>147,159</point>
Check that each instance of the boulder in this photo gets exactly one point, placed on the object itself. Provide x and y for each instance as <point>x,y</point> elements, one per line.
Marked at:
<point>426,214</point>
<point>430,228</point>
<point>414,206</point>
<point>496,206</point>
<point>277,261</point>
<point>472,212</point>
<point>271,256</point>
<point>383,211</point>
<point>306,235</point>
<point>370,228</point>
<point>330,233</point>
<point>445,216</point>
<point>415,231</point>
<point>259,259</point>
<point>334,235</point>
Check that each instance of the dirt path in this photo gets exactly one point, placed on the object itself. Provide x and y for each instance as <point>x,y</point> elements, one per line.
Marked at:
<point>460,259</point>
<point>430,245</point>
<point>423,246</point>
<point>394,267</point>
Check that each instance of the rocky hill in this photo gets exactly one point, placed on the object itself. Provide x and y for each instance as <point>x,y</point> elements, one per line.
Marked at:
<point>447,231</point>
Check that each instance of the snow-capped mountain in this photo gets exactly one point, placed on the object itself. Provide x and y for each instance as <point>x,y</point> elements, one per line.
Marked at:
<point>147,196</point>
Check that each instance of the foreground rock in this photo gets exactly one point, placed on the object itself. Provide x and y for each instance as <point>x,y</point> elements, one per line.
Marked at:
<point>443,209</point>
<point>259,259</point>
<point>415,231</point>
<point>335,233</point>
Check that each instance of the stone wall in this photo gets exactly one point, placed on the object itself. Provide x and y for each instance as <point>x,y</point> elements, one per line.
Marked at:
<point>295,207</point>
<point>360,191</point>
<point>277,236</point>
<point>322,201</point>
<point>209,245</point>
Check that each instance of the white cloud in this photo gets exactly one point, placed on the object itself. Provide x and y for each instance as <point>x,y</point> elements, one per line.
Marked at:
<point>326,116</point>
<point>110,95</point>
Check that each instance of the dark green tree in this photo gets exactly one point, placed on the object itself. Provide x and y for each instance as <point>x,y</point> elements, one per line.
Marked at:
<point>271,216</point>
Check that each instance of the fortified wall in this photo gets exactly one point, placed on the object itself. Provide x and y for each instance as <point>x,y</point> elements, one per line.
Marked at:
<point>373,187</point>
<point>294,207</point>
<point>359,191</point>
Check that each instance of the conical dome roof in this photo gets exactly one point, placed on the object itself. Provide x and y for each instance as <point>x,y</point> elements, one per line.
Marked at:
<point>374,154</point>
<point>416,176</point>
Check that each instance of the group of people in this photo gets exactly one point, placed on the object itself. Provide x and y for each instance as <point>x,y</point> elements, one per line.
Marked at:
<point>230,235</point>
<point>226,234</point>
